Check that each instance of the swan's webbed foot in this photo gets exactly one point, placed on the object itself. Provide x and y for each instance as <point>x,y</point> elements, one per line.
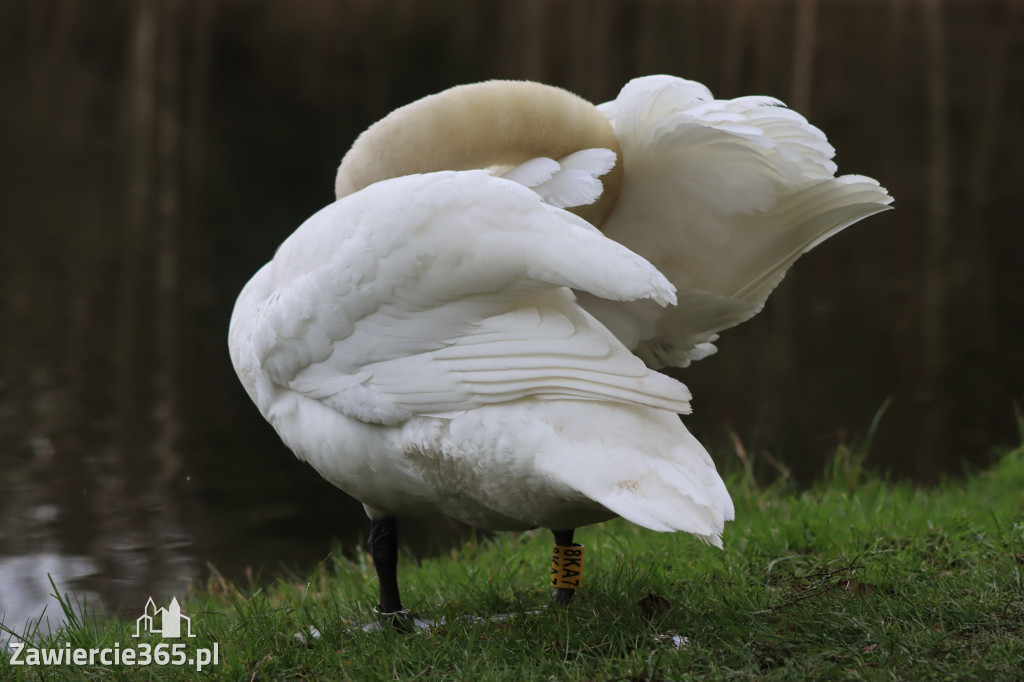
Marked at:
<point>402,621</point>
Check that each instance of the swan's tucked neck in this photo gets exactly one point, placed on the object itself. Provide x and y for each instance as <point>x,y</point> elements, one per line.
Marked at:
<point>478,126</point>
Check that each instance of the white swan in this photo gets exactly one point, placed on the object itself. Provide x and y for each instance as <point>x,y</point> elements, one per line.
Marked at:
<point>447,337</point>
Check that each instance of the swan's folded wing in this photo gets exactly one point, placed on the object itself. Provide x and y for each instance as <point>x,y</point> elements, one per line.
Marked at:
<point>546,348</point>
<point>444,292</point>
<point>722,196</point>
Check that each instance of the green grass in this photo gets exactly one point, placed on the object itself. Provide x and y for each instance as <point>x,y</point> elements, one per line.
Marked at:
<point>856,578</point>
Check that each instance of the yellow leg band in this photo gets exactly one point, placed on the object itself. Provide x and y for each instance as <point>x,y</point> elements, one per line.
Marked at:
<point>567,566</point>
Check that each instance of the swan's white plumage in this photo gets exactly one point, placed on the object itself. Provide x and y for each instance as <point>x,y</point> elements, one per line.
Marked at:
<point>410,306</point>
<point>415,317</point>
<point>722,196</point>
<point>568,182</point>
<point>456,342</point>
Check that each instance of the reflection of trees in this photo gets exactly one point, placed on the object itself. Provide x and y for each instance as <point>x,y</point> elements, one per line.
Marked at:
<point>935,352</point>
<point>158,133</point>
<point>159,150</point>
<point>100,208</point>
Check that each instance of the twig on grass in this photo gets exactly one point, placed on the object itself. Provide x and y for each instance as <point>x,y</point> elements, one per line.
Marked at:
<point>824,582</point>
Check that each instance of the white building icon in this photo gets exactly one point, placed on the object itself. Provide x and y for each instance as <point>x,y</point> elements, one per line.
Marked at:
<point>169,619</point>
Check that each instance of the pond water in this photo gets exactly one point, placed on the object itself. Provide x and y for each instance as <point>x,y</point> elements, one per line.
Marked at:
<point>156,153</point>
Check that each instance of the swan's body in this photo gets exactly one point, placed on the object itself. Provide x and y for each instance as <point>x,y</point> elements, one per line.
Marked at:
<point>437,343</point>
<point>443,339</point>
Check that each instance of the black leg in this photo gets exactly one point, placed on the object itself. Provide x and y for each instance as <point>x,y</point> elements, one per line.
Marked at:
<point>384,550</point>
<point>563,595</point>
<point>564,537</point>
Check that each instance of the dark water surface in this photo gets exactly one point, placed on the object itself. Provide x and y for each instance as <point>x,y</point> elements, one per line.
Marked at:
<point>155,153</point>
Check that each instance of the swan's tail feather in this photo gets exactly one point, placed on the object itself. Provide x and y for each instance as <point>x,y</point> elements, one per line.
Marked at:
<point>664,480</point>
<point>673,503</point>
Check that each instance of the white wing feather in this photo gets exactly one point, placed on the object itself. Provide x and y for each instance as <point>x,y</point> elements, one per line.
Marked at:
<point>722,196</point>
<point>568,182</point>
<point>425,295</point>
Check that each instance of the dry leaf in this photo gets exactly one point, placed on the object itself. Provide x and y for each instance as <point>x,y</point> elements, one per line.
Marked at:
<point>652,604</point>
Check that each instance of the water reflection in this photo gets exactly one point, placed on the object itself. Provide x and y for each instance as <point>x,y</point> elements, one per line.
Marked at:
<point>157,152</point>
<point>26,600</point>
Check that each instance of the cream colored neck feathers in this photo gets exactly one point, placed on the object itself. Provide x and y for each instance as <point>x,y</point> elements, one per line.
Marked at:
<point>479,126</point>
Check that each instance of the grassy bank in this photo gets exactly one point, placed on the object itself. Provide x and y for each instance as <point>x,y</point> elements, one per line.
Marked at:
<point>853,579</point>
